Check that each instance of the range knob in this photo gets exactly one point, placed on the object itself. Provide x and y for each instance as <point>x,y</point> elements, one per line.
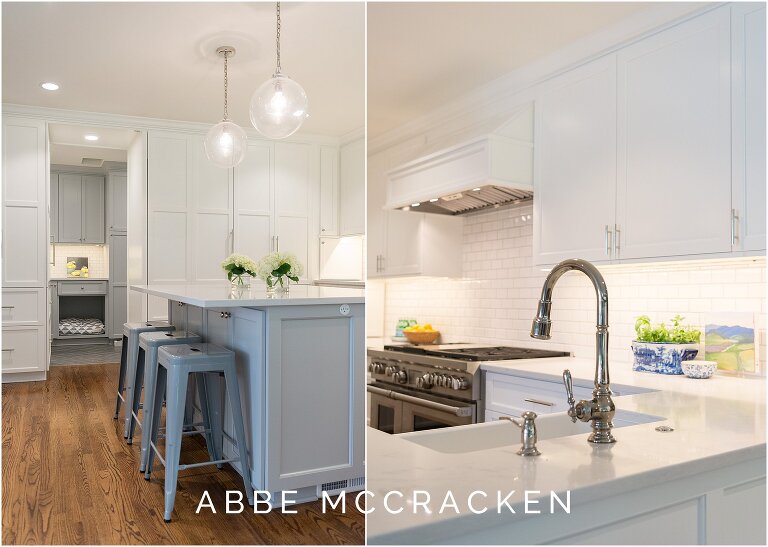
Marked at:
<point>378,368</point>
<point>400,377</point>
<point>459,384</point>
<point>426,381</point>
<point>390,370</point>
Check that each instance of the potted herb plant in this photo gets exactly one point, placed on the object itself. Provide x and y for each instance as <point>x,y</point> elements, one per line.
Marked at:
<point>278,270</point>
<point>662,349</point>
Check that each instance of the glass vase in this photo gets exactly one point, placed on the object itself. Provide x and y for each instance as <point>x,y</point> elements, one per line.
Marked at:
<point>241,281</point>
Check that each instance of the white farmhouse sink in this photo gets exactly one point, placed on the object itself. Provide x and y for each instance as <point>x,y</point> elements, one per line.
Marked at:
<point>476,437</point>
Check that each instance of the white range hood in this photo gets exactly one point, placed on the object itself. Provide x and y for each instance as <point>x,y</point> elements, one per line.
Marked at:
<point>489,171</point>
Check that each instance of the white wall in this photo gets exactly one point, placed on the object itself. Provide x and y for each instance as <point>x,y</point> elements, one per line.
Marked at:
<point>496,300</point>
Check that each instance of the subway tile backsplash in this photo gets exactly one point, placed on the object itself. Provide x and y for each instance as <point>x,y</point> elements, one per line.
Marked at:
<point>496,299</point>
<point>98,259</point>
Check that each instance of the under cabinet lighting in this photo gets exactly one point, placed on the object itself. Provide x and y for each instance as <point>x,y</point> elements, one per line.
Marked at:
<point>91,137</point>
<point>433,200</point>
<point>49,86</point>
<point>415,204</point>
<point>476,189</point>
<point>406,208</point>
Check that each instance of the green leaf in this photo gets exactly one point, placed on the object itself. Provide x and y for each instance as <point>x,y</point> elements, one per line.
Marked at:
<point>293,278</point>
<point>283,269</point>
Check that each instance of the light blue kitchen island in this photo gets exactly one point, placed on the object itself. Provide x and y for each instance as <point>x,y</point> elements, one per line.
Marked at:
<point>301,366</point>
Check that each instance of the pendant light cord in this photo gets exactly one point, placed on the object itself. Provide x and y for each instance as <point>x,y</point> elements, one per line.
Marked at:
<point>226,84</point>
<point>277,70</point>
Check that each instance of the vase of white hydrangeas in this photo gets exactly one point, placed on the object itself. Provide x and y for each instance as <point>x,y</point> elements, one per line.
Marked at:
<point>278,270</point>
<point>240,269</point>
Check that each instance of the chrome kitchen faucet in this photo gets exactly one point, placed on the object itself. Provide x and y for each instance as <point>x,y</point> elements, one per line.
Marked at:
<point>600,410</point>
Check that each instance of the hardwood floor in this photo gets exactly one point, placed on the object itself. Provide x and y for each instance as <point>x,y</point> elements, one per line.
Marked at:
<point>68,477</point>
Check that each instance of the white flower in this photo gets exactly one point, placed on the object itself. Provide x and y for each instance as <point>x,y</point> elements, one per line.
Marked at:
<point>273,261</point>
<point>239,261</point>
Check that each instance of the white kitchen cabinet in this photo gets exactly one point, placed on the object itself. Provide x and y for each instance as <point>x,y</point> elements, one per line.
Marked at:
<point>254,196</point>
<point>293,191</point>
<point>25,236</point>
<point>421,244</point>
<point>118,285</point>
<point>211,213</point>
<point>575,157</point>
<point>329,191</point>
<point>748,125</point>
<point>25,249</point>
<point>168,246</point>
<point>674,147</point>
<point>352,188</point>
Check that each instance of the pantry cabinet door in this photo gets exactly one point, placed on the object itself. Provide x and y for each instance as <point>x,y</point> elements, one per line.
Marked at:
<point>93,209</point>
<point>293,190</point>
<point>253,202</point>
<point>674,134</point>
<point>211,200</point>
<point>24,196</point>
<point>749,176</point>
<point>70,209</point>
<point>352,188</point>
<point>575,165</point>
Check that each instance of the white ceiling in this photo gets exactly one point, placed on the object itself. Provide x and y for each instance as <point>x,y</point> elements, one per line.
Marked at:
<point>423,55</point>
<point>157,59</point>
<point>69,147</point>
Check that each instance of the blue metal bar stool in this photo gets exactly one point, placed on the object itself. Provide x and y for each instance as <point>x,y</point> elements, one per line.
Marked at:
<point>175,364</point>
<point>148,344</point>
<point>129,354</point>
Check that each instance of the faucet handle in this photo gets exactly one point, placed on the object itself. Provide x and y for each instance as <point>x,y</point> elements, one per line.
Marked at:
<point>568,381</point>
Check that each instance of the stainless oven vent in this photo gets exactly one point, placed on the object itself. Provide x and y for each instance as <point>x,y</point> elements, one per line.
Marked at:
<point>483,197</point>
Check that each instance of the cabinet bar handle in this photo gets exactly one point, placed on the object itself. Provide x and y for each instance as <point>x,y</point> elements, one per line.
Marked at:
<point>9,349</point>
<point>617,246</point>
<point>734,223</point>
<point>277,243</point>
<point>608,241</point>
<point>538,402</point>
<point>8,307</point>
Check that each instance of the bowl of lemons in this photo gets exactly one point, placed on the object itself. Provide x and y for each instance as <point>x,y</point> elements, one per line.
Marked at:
<point>421,334</point>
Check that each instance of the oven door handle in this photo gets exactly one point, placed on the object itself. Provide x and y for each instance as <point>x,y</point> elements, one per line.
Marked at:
<point>461,411</point>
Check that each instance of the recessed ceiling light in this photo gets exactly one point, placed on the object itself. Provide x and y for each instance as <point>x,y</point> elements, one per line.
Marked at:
<point>49,86</point>
<point>91,137</point>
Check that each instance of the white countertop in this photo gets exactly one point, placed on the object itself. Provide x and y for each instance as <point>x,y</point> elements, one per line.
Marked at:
<point>221,295</point>
<point>719,420</point>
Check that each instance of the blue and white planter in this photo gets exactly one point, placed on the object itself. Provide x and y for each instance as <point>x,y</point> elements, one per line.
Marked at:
<point>662,358</point>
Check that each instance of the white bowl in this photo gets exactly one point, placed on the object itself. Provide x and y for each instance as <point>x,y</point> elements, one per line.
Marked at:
<point>699,369</point>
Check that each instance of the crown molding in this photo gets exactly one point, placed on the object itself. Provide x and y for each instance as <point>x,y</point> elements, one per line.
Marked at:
<point>493,98</point>
<point>138,123</point>
<point>353,135</point>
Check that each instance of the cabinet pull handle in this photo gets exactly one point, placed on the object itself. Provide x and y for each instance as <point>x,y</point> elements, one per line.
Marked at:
<point>277,243</point>
<point>539,402</point>
<point>9,349</point>
<point>734,226</point>
<point>617,247</point>
<point>226,315</point>
<point>608,241</point>
<point>8,307</point>
<point>383,263</point>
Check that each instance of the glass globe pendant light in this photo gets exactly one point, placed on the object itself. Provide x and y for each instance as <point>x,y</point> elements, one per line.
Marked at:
<point>226,141</point>
<point>279,105</point>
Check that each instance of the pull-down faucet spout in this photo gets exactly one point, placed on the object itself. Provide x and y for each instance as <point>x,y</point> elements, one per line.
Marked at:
<point>600,410</point>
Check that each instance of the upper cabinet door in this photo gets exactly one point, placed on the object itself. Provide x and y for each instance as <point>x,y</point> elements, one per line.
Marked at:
<point>674,135</point>
<point>253,201</point>
<point>749,177</point>
<point>93,209</point>
<point>24,196</point>
<point>117,202</point>
<point>70,208</point>
<point>575,165</point>
<point>329,191</point>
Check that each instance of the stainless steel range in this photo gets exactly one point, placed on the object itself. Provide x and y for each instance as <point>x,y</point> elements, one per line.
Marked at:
<point>416,388</point>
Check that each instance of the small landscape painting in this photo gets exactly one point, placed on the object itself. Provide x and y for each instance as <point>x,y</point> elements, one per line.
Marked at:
<point>730,340</point>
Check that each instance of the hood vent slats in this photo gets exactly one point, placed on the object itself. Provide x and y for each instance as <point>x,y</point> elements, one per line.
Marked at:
<point>474,200</point>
